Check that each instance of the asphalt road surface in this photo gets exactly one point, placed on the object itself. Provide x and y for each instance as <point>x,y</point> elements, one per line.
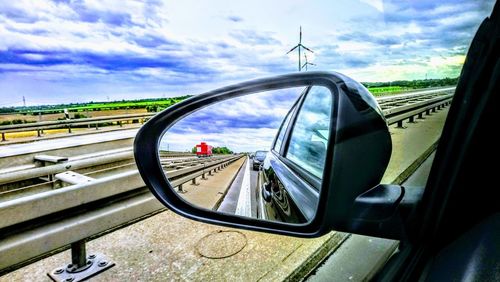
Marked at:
<point>234,194</point>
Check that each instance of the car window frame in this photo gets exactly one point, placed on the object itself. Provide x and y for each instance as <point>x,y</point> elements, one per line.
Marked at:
<point>284,125</point>
<point>311,179</point>
<point>293,110</point>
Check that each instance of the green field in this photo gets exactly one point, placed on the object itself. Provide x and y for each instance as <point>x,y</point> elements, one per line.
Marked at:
<point>124,105</point>
<point>399,86</point>
<point>154,105</point>
<point>377,91</point>
<point>151,105</point>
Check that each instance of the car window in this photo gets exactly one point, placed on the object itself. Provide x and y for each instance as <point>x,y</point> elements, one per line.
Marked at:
<point>281,134</point>
<point>309,138</point>
<point>260,154</point>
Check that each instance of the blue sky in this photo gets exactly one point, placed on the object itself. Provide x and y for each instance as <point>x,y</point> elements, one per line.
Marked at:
<point>243,124</point>
<point>89,50</point>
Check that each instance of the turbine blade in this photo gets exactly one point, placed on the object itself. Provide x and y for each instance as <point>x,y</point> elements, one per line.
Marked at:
<point>307,48</point>
<point>293,49</point>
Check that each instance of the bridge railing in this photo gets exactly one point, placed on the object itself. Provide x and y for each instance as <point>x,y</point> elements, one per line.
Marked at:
<point>33,227</point>
<point>70,123</point>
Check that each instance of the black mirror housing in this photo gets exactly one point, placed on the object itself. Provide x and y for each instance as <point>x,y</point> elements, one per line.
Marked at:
<point>356,157</point>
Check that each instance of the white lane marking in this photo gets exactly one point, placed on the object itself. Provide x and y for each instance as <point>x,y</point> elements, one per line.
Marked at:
<point>243,207</point>
<point>260,202</point>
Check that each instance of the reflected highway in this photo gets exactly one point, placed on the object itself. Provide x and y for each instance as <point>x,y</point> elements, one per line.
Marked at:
<point>242,194</point>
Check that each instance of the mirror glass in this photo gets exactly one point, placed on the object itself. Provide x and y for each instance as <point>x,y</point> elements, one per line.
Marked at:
<point>261,155</point>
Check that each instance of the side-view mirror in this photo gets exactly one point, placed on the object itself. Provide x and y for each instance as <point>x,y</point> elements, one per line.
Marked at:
<point>298,154</point>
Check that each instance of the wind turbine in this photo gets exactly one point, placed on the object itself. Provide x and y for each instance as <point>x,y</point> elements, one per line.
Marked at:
<point>298,46</point>
<point>307,63</point>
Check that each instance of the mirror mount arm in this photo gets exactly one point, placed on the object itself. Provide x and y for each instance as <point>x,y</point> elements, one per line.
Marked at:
<point>386,211</point>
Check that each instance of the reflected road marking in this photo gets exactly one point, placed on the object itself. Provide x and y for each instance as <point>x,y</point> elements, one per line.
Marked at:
<point>244,207</point>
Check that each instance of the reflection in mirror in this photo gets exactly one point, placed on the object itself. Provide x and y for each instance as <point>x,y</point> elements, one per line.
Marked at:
<point>260,155</point>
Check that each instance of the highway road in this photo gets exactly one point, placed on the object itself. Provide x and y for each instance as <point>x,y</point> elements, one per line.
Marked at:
<point>243,191</point>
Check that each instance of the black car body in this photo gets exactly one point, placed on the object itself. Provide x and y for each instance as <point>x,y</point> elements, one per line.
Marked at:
<point>258,159</point>
<point>284,181</point>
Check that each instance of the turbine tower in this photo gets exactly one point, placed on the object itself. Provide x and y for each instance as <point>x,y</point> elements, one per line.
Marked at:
<point>307,62</point>
<point>298,46</point>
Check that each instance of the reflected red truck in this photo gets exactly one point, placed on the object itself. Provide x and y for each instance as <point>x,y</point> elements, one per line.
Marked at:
<point>203,150</point>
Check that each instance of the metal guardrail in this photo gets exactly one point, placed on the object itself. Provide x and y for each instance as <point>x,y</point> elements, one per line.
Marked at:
<point>410,111</point>
<point>179,177</point>
<point>56,124</point>
<point>15,176</point>
<point>25,173</point>
<point>391,98</point>
<point>34,226</point>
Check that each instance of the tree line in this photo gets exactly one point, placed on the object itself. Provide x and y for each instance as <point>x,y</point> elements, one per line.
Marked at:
<point>417,83</point>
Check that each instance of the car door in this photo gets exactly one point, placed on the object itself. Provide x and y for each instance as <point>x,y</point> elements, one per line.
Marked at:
<point>292,170</point>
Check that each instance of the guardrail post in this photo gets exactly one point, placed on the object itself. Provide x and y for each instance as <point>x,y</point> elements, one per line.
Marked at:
<point>69,128</point>
<point>434,110</point>
<point>96,126</point>
<point>193,182</point>
<point>120,123</point>
<point>78,254</point>
<point>412,119</point>
<point>3,136</point>
<point>38,133</point>
<point>180,189</point>
<point>421,116</point>
<point>427,112</point>
<point>203,176</point>
<point>400,124</point>
<point>82,266</point>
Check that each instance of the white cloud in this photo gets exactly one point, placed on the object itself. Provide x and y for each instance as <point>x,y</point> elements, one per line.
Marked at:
<point>171,48</point>
<point>242,124</point>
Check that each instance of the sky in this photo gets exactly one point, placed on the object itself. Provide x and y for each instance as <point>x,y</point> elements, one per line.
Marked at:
<point>244,124</point>
<point>62,51</point>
